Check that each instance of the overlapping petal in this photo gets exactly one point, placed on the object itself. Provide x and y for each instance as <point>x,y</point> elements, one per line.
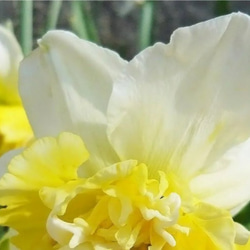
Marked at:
<point>11,55</point>
<point>15,130</point>
<point>180,107</point>
<point>174,121</point>
<point>210,227</point>
<point>48,162</point>
<point>67,83</point>
<point>226,183</point>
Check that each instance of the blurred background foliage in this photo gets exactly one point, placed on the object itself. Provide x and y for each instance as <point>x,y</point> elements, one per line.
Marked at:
<point>124,26</point>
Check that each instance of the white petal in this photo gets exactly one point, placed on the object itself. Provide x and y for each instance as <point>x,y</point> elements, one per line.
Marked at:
<point>226,184</point>
<point>11,55</point>
<point>63,232</point>
<point>242,234</point>
<point>5,160</point>
<point>66,85</point>
<point>179,107</point>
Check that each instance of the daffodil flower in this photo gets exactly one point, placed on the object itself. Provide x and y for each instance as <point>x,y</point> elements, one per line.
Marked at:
<point>15,130</point>
<point>147,154</point>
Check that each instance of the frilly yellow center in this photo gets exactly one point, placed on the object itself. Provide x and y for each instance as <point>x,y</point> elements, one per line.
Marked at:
<point>118,205</point>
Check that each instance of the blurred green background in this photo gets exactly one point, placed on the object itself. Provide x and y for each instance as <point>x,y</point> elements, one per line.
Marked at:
<point>124,26</point>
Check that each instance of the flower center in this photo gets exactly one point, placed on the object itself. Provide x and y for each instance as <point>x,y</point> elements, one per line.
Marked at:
<point>120,206</point>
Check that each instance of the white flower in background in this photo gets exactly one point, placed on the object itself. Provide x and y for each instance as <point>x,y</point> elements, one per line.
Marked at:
<point>165,160</point>
<point>15,130</point>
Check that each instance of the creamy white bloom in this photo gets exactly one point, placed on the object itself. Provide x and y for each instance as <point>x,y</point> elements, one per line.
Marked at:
<point>11,55</point>
<point>183,105</point>
<point>15,130</point>
<point>180,110</point>
<point>186,105</point>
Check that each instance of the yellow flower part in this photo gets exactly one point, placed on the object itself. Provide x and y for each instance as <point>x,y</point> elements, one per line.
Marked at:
<point>243,247</point>
<point>120,207</point>
<point>168,136</point>
<point>15,130</point>
<point>48,162</point>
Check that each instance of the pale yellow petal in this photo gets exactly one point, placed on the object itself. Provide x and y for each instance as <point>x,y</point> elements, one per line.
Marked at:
<point>68,81</point>
<point>15,130</point>
<point>10,58</point>
<point>226,183</point>
<point>179,107</point>
<point>242,234</point>
<point>210,228</point>
<point>57,159</point>
<point>49,162</point>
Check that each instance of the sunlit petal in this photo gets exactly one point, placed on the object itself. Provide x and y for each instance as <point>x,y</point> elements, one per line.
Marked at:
<point>168,137</point>
<point>11,55</point>
<point>179,107</point>
<point>48,162</point>
<point>68,81</point>
<point>226,184</point>
<point>15,130</point>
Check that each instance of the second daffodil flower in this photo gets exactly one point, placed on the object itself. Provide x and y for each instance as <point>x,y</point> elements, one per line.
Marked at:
<point>147,154</point>
<point>15,130</point>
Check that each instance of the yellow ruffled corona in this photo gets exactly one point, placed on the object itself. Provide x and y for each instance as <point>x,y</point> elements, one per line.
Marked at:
<point>119,207</point>
<point>143,154</point>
